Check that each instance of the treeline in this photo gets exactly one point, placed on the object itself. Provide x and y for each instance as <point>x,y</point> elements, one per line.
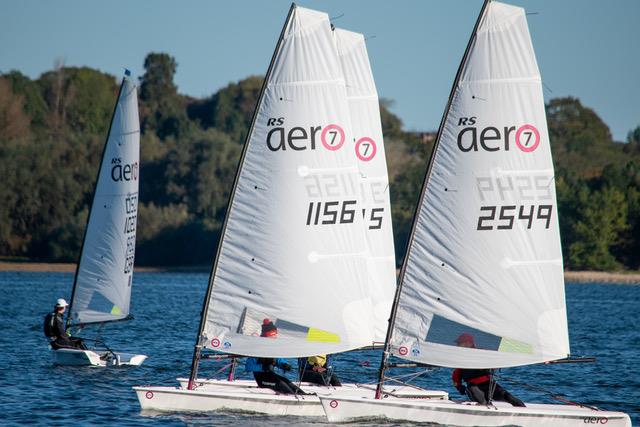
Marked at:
<point>52,131</point>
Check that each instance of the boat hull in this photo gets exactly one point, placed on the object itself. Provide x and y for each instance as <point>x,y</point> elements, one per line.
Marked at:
<point>254,400</point>
<point>448,412</point>
<point>244,395</point>
<point>77,357</point>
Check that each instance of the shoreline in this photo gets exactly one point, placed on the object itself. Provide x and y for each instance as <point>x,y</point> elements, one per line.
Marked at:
<point>51,267</point>
<point>630,278</point>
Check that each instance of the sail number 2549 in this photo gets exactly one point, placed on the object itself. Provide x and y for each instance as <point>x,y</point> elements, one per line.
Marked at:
<point>504,217</point>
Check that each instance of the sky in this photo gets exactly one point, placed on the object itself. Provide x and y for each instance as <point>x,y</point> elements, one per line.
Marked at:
<point>589,49</point>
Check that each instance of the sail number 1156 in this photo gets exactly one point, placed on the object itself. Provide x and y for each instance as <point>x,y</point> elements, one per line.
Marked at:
<point>504,217</point>
<point>336,212</point>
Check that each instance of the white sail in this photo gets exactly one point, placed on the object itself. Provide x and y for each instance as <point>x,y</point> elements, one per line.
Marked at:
<point>103,283</point>
<point>294,249</point>
<point>485,264</point>
<point>369,149</point>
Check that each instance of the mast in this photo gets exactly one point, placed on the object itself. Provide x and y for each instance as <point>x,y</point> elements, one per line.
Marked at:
<point>127,73</point>
<point>198,346</point>
<point>394,308</point>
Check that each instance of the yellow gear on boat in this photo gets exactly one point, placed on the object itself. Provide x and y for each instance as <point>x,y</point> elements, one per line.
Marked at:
<point>319,360</point>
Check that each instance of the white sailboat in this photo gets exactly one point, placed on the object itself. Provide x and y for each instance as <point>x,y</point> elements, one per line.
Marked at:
<point>295,245</point>
<point>102,284</point>
<point>484,258</point>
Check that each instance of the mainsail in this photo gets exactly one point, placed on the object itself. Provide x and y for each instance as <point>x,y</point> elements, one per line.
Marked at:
<point>482,285</point>
<point>293,248</point>
<point>368,147</point>
<point>102,288</point>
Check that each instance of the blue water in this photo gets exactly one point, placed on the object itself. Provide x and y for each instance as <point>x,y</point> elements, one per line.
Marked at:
<point>603,322</point>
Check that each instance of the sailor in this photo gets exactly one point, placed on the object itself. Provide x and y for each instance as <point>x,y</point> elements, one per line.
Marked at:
<point>315,370</point>
<point>263,368</point>
<point>479,381</point>
<point>54,329</point>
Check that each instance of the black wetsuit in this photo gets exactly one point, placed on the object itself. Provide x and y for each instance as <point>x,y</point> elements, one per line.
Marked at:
<point>323,378</point>
<point>266,378</point>
<point>479,387</point>
<point>54,329</point>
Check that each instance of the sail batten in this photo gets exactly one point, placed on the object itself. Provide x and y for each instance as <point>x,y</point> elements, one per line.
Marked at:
<point>482,285</point>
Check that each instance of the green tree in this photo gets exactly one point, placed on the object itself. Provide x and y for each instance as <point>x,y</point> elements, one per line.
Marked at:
<point>162,110</point>
<point>230,110</point>
<point>580,140</point>
<point>14,122</point>
<point>34,105</point>
<point>598,230</point>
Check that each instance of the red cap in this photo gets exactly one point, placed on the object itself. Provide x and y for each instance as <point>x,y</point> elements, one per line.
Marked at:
<point>465,338</point>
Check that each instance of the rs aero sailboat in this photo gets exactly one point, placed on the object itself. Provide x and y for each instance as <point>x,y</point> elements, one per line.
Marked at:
<point>308,220</point>
<point>492,273</point>
<point>102,284</point>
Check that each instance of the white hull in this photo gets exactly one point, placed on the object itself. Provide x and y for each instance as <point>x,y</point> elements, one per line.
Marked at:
<point>244,395</point>
<point>346,409</point>
<point>77,357</point>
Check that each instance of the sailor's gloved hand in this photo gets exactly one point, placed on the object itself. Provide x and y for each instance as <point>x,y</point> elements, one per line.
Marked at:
<point>285,367</point>
<point>462,389</point>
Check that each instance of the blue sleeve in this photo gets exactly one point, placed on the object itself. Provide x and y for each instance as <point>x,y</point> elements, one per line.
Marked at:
<point>252,365</point>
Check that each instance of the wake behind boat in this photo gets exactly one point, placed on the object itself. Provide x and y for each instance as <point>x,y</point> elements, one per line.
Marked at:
<point>102,283</point>
<point>481,286</point>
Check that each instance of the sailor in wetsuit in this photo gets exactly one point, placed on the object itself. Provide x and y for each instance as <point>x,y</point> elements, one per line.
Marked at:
<point>262,368</point>
<point>54,329</point>
<point>479,381</point>
<point>314,369</point>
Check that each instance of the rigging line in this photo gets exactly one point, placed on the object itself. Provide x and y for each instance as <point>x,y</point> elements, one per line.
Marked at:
<point>301,372</point>
<point>336,17</point>
<point>492,386</point>
<point>550,393</point>
<point>398,378</point>
<point>412,376</point>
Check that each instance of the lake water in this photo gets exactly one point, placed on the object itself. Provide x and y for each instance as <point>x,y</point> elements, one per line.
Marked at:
<point>603,322</point>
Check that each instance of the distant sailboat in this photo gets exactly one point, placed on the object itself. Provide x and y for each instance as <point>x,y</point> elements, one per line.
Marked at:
<point>295,245</point>
<point>484,260</point>
<point>102,285</point>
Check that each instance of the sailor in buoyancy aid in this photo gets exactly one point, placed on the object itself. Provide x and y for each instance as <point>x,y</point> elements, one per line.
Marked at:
<point>262,368</point>
<point>478,381</point>
<point>54,329</point>
<point>316,369</point>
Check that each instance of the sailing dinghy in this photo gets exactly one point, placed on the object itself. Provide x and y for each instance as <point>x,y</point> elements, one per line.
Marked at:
<point>368,147</point>
<point>102,284</point>
<point>484,257</point>
<point>294,247</point>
